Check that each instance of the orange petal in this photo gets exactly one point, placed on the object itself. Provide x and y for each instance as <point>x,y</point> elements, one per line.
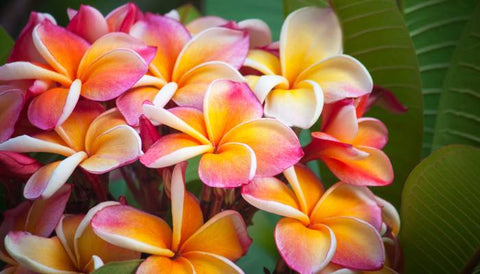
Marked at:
<point>102,124</point>
<point>11,104</point>
<point>205,263</point>
<point>226,105</point>
<point>272,195</point>
<point>133,229</point>
<point>225,234</point>
<point>305,250</point>
<point>306,185</point>
<point>263,61</point>
<point>62,49</point>
<point>258,30</point>
<point>359,245</point>
<point>51,177</point>
<point>130,104</point>
<point>194,84</point>
<point>88,244</point>
<point>344,200</point>
<point>340,77</point>
<point>73,131</point>
<point>192,117</point>
<point>390,216</point>
<point>371,133</point>
<point>89,23</point>
<point>299,107</point>
<point>213,44</point>
<point>232,165</point>
<point>275,145</point>
<point>187,215</point>
<point>308,36</point>
<point>44,255</point>
<point>172,149</point>
<point>168,36</point>
<point>65,230</point>
<point>326,146</point>
<point>163,265</point>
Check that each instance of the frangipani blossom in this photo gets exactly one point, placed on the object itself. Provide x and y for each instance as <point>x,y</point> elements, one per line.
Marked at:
<point>37,217</point>
<point>183,67</point>
<point>311,69</point>
<point>100,71</point>
<point>95,140</point>
<point>12,100</point>
<point>351,146</point>
<point>192,246</point>
<point>340,225</point>
<point>235,142</point>
<point>74,249</point>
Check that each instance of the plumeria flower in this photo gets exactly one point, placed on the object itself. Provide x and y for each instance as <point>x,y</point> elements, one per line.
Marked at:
<point>12,100</point>
<point>235,142</point>
<point>95,140</point>
<point>340,225</point>
<point>37,217</point>
<point>311,69</point>
<point>192,246</point>
<point>99,72</point>
<point>258,30</point>
<point>90,24</point>
<point>74,249</point>
<point>183,66</point>
<point>351,146</point>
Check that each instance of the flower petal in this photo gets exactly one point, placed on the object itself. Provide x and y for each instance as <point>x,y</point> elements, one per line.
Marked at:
<point>344,200</point>
<point>359,245</point>
<point>164,265</point>
<point>52,107</point>
<point>62,49</point>
<point>172,149</point>
<point>305,250</point>
<point>205,22</point>
<point>263,61</point>
<point>340,77</point>
<point>44,255</point>
<point>102,124</point>
<point>88,23</point>
<point>194,83</point>
<point>225,234</point>
<point>205,262</point>
<point>17,165</point>
<point>275,145</point>
<point>49,178</point>
<point>232,165</point>
<point>116,147</point>
<point>25,143</point>
<point>340,121</point>
<point>259,32</point>
<point>192,117</point>
<point>133,229</point>
<point>300,107</point>
<point>390,216</point>
<point>324,145</point>
<point>266,83</point>
<point>123,17</point>
<point>130,104</point>
<point>274,196</point>
<point>308,36</point>
<point>13,219</point>
<point>168,36</point>
<point>65,230</point>
<point>187,215</point>
<point>213,44</point>
<point>371,133</point>
<point>306,185</point>
<point>226,105</point>
<point>26,70</point>
<point>11,103</point>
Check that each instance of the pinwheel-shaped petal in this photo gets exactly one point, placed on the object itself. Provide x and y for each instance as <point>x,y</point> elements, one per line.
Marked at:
<point>309,72</point>
<point>351,147</point>
<point>340,225</point>
<point>191,246</point>
<point>230,134</point>
<point>75,248</point>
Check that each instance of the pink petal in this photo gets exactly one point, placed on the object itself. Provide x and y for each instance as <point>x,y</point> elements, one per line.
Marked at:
<point>16,165</point>
<point>88,23</point>
<point>372,133</point>
<point>260,34</point>
<point>123,17</point>
<point>205,22</point>
<point>11,104</point>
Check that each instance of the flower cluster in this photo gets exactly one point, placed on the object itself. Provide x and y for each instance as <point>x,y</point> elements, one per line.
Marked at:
<point>136,95</point>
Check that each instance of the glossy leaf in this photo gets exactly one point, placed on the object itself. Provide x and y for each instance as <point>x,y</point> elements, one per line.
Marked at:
<point>291,5</point>
<point>6,45</point>
<point>458,120</point>
<point>125,267</point>
<point>440,216</point>
<point>188,13</point>
<point>435,28</point>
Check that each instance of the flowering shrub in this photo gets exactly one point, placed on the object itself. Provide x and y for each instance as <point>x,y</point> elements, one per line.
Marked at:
<point>135,95</point>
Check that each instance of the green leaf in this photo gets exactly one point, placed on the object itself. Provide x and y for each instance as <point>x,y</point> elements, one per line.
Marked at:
<point>188,13</point>
<point>440,211</point>
<point>263,252</point>
<point>458,118</point>
<point>125,267</point>
<point>269,11</point>
<point>374,32</point>
<point>291,5</point>
<point>435,27</point>
<point>6,45</point>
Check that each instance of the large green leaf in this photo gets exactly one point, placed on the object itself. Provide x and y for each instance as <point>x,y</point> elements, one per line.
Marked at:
<point>458,118</point>
<point>125,267</point>
<point>435,27</point>
<point>291,5</point>
<point>6,45</point>
<point>440,212</point>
